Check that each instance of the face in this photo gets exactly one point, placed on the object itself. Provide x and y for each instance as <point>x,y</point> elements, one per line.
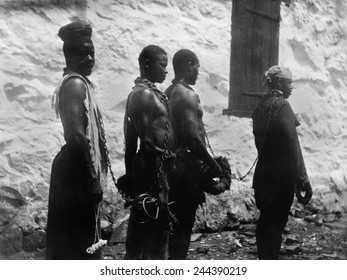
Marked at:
<point>83,59</point>
<point>157,69</point>
<point>286,87</point>
<point>192,73</point>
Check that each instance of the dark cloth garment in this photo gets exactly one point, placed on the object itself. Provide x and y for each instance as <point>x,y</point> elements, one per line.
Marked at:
<point>280,160</point>
<point>185,180</point>
<point>274,204</point>
<point>147,238</point>
<point>186,190</point>
<point>280,167</point>
<point>71,217</point>
<point>179,241</point>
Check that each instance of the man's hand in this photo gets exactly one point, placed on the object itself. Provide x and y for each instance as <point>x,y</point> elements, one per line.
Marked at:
<point>124,185</point>
<point>306,188</point>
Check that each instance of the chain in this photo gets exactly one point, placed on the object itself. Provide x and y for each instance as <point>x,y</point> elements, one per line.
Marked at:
<point>103,138</point>
<point>166,136</point>
<point>208,143</point>
<point>269,118</point>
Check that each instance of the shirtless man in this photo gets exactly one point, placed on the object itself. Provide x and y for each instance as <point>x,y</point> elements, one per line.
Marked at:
<point>186,118</point>
<point>79,170</point>
<point>146,119</point>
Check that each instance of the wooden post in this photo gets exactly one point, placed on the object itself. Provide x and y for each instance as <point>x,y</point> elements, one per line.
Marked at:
<point>254,48</point>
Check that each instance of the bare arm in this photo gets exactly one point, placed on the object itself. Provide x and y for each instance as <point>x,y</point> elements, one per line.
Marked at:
<point>130,136</point>
<point>141,107</point>
<point>187,106</point>
<point>73,111</point>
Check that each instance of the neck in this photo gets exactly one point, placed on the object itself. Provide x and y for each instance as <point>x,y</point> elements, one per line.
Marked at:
<point>69,69</point>
<point>144,81</point>
<point>182,82</point>
<point>147,77</point>
<point>276,92</point>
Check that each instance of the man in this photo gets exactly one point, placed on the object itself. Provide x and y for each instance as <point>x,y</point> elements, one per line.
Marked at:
<point>146,119</point>
<point>186,118</point>
<point>280,170</point>
<point>79,169</point>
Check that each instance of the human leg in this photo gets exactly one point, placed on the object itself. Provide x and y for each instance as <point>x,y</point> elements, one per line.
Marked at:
<point>147,236</point>
<point>274,205</point>
<point>179,242</point>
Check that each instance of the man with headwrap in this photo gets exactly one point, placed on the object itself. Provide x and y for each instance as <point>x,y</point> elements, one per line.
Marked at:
<point>79,170</point>
<point>147,120</point>
<point>280,171</point>
<point>186,183</point>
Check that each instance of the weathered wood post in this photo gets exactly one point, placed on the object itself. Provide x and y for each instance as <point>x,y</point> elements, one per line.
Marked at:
<point>254,48</point>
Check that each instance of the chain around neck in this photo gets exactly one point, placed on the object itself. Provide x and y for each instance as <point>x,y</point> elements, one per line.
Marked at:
<point>276,92</point>
<point>183,83</point>
<point>150,85</point>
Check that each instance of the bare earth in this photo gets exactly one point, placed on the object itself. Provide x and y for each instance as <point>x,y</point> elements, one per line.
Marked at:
<point>315,237</point>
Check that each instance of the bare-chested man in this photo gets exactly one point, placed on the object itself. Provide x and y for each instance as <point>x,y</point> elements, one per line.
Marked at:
<point>186,118</point>
<point>79,169</point>
<point>146,119</point>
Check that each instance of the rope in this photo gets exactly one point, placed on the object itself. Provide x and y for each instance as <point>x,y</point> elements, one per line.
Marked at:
<point>98,243</point>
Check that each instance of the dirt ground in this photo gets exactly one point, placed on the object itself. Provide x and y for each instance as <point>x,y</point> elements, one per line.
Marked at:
<point>312,237</point>
<point>315,237</point>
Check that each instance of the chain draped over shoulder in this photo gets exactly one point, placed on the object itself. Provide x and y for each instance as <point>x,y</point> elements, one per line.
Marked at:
<point>149,85</point>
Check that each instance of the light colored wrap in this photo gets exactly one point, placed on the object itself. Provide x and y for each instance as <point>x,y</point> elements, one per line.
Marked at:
<point>93,130</point>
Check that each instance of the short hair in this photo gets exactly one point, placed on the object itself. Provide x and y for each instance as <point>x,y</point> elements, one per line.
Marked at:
<point>150,52</point>
<point>181,60</point>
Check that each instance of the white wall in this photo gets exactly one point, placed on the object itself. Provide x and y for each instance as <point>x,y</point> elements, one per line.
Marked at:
<point>312,43</point>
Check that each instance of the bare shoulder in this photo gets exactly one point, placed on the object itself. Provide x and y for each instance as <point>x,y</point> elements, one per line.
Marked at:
<point>141,100</point>
<point>184,96</point>
<point>74,87</point>
<point>142,93</point>
<point>141,96</point>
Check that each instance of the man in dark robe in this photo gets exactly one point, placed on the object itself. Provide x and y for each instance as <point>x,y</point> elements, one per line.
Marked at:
<point>146,119</point>
<point>79,169</point>
<point>280,170</point>
<point>186,114</point>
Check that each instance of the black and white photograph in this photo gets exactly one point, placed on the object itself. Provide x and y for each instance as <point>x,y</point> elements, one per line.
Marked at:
<point>173,130</point>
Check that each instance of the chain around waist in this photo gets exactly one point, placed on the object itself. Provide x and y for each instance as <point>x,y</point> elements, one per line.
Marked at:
<point>167,153</point>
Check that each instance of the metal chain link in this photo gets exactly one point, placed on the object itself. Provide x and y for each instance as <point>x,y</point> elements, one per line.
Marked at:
<point>208,142</point>
<point>166,136</point>
<point>269,118</point>
<point>103,138</point>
